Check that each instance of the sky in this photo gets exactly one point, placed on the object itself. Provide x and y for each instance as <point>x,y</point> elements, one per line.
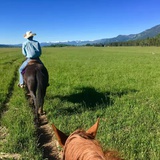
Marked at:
<point>67,20</point>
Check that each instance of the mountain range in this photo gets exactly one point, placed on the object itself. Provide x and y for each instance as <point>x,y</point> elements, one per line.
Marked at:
<point>149,33</point>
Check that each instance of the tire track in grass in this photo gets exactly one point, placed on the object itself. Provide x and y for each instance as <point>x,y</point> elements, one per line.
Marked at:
<point>46,139</point>
<point>9,92</point>
<point>3,130</point>
<point>10,87</point>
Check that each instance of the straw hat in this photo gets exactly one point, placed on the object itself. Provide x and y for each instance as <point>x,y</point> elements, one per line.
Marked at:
<point>29,34</point>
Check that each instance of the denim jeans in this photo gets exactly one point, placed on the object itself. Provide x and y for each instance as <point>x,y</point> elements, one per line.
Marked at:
<point>22,67</point>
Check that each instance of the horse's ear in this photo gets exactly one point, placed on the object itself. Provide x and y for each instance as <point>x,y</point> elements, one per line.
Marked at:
<point>60,136</point>
<point>93,129</point>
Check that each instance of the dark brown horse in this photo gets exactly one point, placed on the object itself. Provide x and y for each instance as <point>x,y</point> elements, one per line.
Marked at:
<point>36,78</point>
<point>81,145</point>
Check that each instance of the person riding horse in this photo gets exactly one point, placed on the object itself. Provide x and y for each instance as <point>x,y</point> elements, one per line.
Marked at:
<point>31,49</point>
<point>33,74</point>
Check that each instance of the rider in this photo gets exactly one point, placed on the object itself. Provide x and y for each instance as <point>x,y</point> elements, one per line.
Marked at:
<point>31,49</point>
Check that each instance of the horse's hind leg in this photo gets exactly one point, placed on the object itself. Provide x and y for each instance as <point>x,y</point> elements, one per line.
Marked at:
<point>33,97</point>
<point>41,112</point>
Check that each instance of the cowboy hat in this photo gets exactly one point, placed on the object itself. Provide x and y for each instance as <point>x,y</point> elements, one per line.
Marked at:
<point>29,34</point>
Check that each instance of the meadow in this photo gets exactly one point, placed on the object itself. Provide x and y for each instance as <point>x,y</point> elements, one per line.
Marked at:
<point>119,85</point>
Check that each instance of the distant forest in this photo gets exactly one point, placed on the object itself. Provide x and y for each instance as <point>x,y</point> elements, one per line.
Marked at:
<point>155,41</point>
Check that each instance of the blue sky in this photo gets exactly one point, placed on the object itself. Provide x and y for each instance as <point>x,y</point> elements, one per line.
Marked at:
<point>62,20</point>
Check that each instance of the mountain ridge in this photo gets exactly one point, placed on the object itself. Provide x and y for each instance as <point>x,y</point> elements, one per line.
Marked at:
<point>148,33</point>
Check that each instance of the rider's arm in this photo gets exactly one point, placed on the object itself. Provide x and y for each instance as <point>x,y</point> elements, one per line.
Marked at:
<point>23,50</point>
<point>40,50</point>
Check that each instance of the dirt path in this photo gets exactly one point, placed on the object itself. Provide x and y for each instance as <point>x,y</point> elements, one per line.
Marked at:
<point>46,140</point>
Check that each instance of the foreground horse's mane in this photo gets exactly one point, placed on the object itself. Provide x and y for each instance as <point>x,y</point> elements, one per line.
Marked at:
<point>81,145</point>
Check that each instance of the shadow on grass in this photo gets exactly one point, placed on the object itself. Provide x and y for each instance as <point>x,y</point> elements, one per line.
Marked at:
<point>89,98</point>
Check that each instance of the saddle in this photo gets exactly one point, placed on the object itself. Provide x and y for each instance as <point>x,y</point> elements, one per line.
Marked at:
<point>31,62</point>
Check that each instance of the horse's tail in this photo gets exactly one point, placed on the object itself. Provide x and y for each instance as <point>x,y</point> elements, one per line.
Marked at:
<point>42,81</point>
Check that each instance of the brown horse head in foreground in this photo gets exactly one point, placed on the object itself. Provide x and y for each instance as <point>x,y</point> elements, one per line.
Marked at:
<point>81,145</point>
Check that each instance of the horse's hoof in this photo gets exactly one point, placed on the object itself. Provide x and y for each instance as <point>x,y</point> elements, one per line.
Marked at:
<point>42,113</point>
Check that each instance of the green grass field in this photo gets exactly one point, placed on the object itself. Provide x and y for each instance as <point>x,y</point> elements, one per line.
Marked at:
<point>121,85</point>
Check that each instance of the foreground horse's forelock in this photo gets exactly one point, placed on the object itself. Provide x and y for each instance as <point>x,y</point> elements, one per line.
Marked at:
<point>81,145</point>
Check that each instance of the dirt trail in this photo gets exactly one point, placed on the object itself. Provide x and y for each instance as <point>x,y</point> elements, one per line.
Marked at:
<point>46,140</point>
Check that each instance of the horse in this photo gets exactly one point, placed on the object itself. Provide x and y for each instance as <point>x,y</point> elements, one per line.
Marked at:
<point>81,145</point>
<point>36,77</point>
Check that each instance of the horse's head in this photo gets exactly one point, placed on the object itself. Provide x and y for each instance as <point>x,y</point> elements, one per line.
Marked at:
<point>62,137</point>
<point>82,145</point>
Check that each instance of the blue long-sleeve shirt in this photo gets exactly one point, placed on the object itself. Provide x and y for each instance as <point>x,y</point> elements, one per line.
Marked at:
<point>31,49</point>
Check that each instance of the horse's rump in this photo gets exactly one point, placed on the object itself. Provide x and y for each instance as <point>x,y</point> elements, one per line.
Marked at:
<point>33,69</point>
<point>36,80</point>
